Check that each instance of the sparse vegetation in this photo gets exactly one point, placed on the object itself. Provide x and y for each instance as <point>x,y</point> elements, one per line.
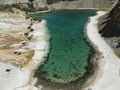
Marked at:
<point>35,17</point>
<point>31,30</point>
<point>26,34</point>
<point>6,8</point>
<point>30,37</point>
<point>29,27</point>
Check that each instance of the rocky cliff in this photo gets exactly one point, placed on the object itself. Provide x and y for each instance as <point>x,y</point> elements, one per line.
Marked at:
<point>111,23</point>
<point>109,27</point>
<point>60,4</point>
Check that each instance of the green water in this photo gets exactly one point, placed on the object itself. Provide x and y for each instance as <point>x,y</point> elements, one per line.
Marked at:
<point>69,52</point>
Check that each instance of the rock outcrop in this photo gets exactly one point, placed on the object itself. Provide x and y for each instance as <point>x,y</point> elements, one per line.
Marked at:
<point>109,28</point>
<point>28,5</point>
<point>112,23</point>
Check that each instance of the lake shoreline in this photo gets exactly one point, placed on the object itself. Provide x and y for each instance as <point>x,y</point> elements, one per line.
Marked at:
<point>90,72</point>
<point>95,59</point>
<point>109,63</point>
<point>40,53</point>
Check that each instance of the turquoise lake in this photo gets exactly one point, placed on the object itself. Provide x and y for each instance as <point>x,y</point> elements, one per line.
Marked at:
<point>69,52</point>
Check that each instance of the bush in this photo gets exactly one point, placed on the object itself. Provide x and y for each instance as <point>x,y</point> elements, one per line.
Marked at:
<point>31,30</point>
<point>26,34</point>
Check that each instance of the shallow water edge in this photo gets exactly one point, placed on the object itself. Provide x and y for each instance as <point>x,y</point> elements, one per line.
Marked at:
<point>75,85</point>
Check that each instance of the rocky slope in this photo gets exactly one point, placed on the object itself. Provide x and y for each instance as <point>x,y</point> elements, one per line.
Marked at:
<point>29,5</point>
<point>112,22</point>
<point>12,29</point>
<point>23,45</point>
<point>60,4</point>
<point>110,27</point>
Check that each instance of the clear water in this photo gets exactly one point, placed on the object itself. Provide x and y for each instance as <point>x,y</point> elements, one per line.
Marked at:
<point>69,50</point>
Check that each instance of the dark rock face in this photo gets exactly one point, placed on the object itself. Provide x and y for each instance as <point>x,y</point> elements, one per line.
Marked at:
<point>54,1</point>
<point>112,23</point>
